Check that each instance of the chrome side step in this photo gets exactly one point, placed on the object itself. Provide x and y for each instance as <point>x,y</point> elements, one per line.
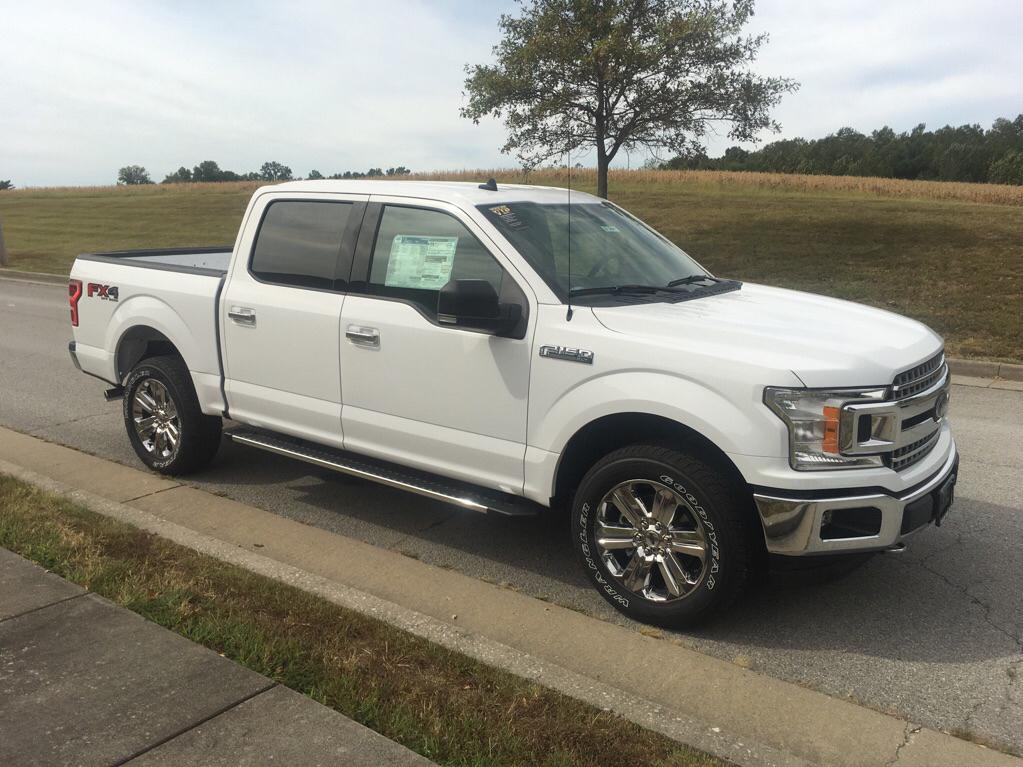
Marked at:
<point>460,494</point>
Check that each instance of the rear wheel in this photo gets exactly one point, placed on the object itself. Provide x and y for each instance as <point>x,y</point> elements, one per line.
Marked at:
<point>165,424</point>
<point>666,538</point>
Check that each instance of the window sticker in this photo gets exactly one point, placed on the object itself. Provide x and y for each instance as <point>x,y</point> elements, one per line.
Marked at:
<point>419,261</point>
<point>508,217</point>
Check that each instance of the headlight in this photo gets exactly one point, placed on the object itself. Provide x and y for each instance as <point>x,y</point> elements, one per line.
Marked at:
<point>815,423</point>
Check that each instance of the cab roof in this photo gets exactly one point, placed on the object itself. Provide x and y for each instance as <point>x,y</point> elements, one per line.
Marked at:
<point>460,193</point>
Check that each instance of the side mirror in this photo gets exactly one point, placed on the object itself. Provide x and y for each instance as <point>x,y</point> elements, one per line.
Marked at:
<point>474,304</point>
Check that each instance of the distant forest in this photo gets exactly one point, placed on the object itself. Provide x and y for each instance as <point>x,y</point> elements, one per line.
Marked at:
<point>964,153</point>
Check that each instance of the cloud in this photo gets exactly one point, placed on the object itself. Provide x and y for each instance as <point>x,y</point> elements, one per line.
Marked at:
<point>88,87</point>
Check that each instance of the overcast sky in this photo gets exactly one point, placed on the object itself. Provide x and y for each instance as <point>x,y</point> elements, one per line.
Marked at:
<point>86,87</point>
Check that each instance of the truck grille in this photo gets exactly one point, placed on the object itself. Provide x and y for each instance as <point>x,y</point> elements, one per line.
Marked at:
<point>904,457</point>
<point>920,378</point>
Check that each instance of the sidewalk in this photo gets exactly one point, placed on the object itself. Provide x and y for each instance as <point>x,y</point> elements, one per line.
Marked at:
<point>742,716</point>
<point>85,682</point>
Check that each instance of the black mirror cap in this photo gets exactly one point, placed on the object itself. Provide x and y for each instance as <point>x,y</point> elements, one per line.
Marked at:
<point>468,298</point>
<point>474,304</point>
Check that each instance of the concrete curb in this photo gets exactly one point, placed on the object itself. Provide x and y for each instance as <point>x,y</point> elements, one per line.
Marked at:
<point>982,369</point>
<point>645,713</point>
<point>740,715</point>
<point>41,277</point>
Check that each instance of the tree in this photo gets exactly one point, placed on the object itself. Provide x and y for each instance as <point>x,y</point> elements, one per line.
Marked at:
<point>180,176</point>
<point>401,170</point>
<point>274,171</point>
<point>1008,169</point>
<point>315,175</point>
<point>133,175</point>
<point>613,74</point>
<point>207,170</point>
<point>6,184</point>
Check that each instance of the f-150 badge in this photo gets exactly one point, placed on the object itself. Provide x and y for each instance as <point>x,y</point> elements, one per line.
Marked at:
<point>567,353</point>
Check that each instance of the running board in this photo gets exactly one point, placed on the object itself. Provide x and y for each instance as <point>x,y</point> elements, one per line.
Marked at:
<point>451,491</point>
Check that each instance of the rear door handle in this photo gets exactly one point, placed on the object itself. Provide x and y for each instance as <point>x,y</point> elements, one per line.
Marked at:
<point>242,315</point>
<point>363,336</point>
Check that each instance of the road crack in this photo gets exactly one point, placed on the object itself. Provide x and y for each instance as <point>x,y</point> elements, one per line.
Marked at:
<point>907,738</point>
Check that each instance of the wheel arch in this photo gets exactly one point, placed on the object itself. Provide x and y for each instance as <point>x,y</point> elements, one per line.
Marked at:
<point>610,432</point>
<point>139,342</point>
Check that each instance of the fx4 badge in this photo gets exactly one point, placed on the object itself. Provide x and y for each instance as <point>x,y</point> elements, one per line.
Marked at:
<point>106,292</point>
<point>567,353</point>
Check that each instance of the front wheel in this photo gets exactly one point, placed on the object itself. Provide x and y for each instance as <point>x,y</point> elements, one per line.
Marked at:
<point>165,424</point>
<point>665,538</point>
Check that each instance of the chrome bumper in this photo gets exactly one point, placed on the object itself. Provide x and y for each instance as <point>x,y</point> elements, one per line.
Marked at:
<point>797,526</point>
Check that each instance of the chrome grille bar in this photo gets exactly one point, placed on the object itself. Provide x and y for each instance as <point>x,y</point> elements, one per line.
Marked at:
<point>910,454</point>
<point>919,378</point>
<point>905,427</point>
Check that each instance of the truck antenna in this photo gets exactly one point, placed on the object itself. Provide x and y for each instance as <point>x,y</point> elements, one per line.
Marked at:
<point>568,316</point>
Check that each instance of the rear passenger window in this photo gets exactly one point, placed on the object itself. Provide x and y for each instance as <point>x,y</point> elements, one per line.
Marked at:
<point>418,251</point>
<point>299,243</point>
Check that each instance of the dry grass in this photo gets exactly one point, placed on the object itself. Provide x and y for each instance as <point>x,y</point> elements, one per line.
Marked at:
<point>994,194</point>
<point>446,706</point>
<point>950,255</point>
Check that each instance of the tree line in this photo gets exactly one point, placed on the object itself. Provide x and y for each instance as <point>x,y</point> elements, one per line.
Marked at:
<point>963,153</point>
<point>209,171</point>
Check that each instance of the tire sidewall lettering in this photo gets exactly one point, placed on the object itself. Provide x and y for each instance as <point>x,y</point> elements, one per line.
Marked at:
<point>591,564</point>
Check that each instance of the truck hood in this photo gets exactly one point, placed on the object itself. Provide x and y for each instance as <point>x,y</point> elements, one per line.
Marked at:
<point>826,342</point>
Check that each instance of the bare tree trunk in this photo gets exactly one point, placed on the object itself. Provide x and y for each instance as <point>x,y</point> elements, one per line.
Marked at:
<point>3,249</point>
<point>602,164</point>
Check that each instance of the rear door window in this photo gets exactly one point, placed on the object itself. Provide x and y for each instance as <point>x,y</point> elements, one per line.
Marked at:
<point>300,243</point>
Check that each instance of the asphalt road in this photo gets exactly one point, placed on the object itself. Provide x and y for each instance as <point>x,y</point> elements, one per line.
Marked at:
<point>934,634</point>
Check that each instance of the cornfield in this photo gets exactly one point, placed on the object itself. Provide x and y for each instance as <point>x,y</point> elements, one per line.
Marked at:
<point>722,181</point>
<point>991,194</point>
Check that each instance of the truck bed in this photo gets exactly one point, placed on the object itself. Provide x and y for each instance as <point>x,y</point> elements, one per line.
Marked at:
<point>212,261</point>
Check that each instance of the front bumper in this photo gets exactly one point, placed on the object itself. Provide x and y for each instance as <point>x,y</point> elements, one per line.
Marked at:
<point>800,526</point>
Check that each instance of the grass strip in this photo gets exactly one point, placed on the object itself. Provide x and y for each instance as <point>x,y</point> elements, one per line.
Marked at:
<point>947,254</point>
<point>446,706</point>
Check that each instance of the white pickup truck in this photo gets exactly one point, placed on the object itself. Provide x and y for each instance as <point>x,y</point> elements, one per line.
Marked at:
<point>513,348</point>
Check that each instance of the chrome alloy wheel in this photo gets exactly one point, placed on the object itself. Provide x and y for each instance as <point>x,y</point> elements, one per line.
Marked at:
<point>651,539</point>
<point>156,419</point>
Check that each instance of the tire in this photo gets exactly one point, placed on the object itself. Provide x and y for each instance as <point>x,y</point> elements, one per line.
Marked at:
<point>182,439</point>
<point>700,508</point>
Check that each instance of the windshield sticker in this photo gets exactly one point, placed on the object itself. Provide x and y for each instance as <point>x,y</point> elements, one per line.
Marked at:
<point>420,261</point>
<point>508,217</point>
<point>610,228</point>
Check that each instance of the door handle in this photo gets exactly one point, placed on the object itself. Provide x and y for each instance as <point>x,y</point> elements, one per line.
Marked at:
<point>242,315</point>
<point>363,336</point>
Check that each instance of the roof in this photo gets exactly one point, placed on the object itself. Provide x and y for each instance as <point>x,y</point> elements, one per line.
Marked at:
<point>456,192</point>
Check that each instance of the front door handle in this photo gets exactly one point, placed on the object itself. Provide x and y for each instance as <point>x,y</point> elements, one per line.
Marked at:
<point>363,336</point>
<point>242,315</point>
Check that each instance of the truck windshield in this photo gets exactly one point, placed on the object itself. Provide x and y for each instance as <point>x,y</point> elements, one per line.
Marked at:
<point>610,248</point>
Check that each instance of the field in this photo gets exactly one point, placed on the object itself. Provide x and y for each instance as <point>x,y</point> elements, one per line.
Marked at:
<point>950,255</point>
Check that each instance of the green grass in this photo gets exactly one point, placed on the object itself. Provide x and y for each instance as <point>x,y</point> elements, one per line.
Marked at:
<point>950,255</point>
<point>446,706</point>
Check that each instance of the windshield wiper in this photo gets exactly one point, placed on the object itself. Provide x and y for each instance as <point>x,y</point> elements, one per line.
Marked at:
<point>693,278</point>
<point>615,290</point>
